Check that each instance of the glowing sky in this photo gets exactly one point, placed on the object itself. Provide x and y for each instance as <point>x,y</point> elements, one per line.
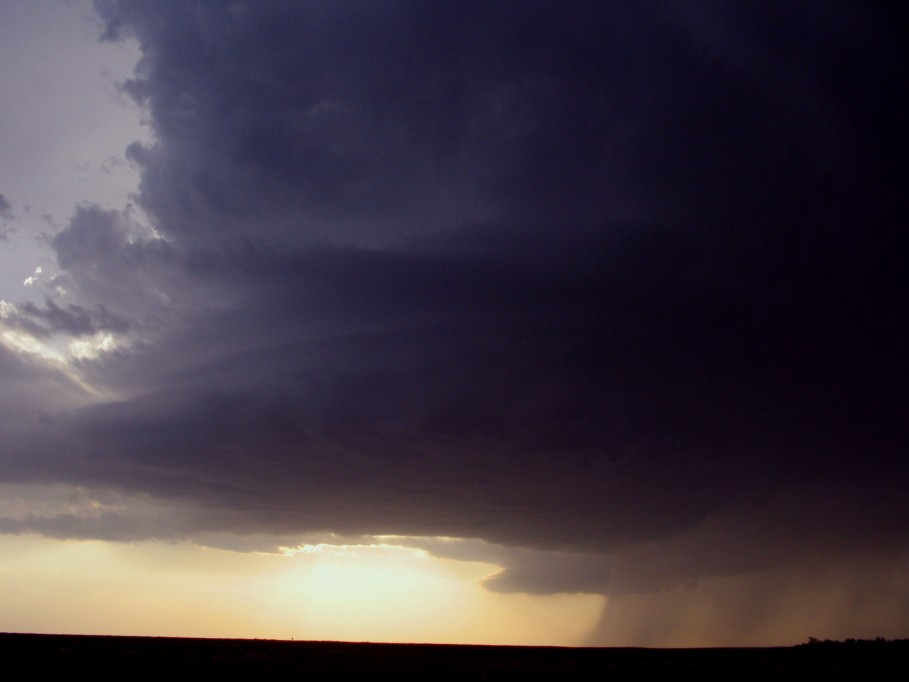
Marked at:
<point>530,323</point>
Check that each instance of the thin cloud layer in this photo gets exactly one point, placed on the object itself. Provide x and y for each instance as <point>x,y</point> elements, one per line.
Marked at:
<point>613,288</point>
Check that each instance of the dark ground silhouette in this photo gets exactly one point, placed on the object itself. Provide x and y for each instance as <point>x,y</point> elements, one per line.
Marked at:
<point>165,655</point>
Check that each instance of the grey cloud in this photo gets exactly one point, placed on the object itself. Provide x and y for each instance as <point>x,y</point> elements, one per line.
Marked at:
<point>113,527</point>
<point>113,272</point>
<point>30,388</point>
<point>6,214</point>
<point>92,237</point>
<point>72,320</point>
<point>104,245</point>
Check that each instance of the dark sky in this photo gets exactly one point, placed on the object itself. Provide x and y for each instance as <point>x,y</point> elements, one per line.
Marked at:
<point>615,287</point>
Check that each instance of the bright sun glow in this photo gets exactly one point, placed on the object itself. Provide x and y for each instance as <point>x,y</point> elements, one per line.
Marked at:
<point>49,348</point>
<point>92,346</point>
<point>337,592</point>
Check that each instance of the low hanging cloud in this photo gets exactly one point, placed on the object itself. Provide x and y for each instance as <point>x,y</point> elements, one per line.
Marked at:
<point>609,290</point>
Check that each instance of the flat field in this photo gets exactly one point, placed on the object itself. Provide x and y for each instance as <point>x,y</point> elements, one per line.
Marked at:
<point>165,655</point>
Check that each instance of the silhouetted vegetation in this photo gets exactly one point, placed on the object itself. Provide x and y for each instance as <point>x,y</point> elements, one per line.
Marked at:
<point>876,642</point>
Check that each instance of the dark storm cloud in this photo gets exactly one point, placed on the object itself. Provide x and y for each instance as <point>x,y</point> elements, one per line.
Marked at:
<point>619,280</point>
<point>362,122</point>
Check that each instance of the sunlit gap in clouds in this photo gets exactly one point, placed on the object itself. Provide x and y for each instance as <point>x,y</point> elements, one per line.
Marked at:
<point>92,560</point>
<point>322,591</point>
<point>57,352</point>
